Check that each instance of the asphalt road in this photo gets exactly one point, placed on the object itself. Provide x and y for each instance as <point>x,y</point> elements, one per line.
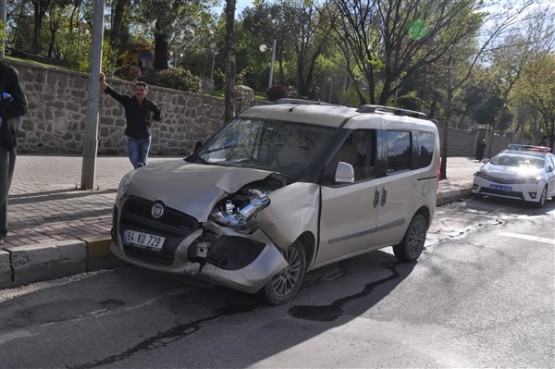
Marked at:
<point>481,295</point>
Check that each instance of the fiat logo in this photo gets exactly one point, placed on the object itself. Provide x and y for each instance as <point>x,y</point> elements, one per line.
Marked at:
<point>157,211</point>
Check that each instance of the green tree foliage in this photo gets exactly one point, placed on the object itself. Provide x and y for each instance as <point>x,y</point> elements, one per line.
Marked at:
<point>537,90</point>
<point>417,54</point>
<point>119,28</point>
<point>261,25</point>
<point>2,31</point>
<point>309,34</point>
<point>176,24</point>
<point>482,101</point>
<point>301,38</point>
<point>525,44</point>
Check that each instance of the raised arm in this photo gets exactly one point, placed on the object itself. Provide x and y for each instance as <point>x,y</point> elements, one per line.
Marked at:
<point>103,83</point>
<point>107,89</point>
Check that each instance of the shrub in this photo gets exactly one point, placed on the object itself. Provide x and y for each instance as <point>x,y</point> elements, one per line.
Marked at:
<point>277,92</point>
<point>130,72</point>
<point>179,79</point>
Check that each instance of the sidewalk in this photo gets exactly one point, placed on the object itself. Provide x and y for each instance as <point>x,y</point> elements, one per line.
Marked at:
<point>56,229</point>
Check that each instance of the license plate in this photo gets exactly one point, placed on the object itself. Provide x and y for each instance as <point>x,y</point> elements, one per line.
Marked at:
<point>144,240</point>
<point>500,188</point>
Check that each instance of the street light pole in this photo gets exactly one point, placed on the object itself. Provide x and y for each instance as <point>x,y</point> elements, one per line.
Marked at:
<point>263,49</point>
<point>214,53</point>
<point>330,80</point>
<point>272,65</point>
<point>90,145</point>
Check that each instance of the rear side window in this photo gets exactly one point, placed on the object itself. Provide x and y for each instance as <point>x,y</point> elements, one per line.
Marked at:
<point>424,143</point>
<point>398,149</point>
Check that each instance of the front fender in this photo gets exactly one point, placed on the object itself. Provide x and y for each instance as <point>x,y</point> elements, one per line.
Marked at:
<point>293,210</point>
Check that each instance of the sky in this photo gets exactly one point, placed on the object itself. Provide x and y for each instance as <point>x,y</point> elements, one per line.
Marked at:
<point>240,5</point>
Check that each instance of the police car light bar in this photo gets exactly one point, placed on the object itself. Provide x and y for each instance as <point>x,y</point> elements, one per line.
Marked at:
<point>529,147</point>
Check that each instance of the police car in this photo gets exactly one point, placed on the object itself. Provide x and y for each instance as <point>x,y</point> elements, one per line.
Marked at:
<point>521,172</point>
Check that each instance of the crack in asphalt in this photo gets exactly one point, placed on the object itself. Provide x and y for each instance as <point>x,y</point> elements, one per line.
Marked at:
<point>167,337</point>
<point>328,313</point>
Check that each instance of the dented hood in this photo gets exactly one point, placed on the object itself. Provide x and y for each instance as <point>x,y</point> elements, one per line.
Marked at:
<point>191,188</point>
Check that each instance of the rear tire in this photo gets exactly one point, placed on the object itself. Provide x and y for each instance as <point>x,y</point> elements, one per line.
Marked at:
<point>286,284</point>
<point>412,245</point>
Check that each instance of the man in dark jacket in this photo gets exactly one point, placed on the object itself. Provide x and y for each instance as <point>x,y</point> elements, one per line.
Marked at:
<point>138,111</point>
<point>481,149</point>
<point>13,104</point>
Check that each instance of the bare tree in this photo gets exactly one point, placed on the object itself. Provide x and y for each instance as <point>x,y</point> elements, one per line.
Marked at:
<point>390,40</point>
<point>494,27</point>
<point>308,32</point>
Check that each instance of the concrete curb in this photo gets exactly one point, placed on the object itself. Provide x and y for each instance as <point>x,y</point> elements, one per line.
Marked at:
<point>444,198</point>
<point>40,262</point>
<point>34,263</point>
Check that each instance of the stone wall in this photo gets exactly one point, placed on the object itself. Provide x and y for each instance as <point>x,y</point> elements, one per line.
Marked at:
<point>55,122</point>
<point>463,143</point>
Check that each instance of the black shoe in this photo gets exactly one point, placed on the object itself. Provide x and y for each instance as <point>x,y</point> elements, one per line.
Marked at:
<point>2,239</point>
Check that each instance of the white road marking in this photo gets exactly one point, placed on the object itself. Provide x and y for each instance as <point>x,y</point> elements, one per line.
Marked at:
<point>6,337</point>
<point>549,241</point>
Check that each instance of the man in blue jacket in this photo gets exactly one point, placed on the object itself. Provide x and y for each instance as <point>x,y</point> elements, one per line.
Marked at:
<point>139,111</point>
<point>13,104</point>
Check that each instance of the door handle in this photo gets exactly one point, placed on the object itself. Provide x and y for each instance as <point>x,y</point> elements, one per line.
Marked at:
<point>376,197</point>
<point>384,196</point>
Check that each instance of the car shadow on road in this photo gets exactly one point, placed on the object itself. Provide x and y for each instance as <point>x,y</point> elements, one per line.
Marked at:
<point>156,313</point>
<point>331,297</point>
<point>510,205</point>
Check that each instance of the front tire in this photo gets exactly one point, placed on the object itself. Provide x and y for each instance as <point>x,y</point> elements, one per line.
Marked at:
<point>412,245</point>
<point>287,283</point>
<point>543,198</point>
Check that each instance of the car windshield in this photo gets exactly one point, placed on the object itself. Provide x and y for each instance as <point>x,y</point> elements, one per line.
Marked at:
<point>272,145</point>
<point>518,161</point>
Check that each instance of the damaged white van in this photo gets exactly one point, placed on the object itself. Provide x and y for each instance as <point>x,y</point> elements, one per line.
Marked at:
<point>280,190</point>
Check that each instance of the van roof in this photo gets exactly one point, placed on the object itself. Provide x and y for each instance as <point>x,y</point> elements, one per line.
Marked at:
<point>335,115</point>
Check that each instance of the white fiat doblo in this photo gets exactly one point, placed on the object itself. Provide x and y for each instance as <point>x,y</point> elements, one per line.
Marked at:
<point>280,190</point>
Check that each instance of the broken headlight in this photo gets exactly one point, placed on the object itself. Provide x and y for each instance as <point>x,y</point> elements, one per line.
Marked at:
<point>236,210</point>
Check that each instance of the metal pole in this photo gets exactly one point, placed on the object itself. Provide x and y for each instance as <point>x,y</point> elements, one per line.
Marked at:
<point>3,20</point>
<point>91,119</point>
<point>213,63</point>
<point>272,65</point>
<point>396,92</point>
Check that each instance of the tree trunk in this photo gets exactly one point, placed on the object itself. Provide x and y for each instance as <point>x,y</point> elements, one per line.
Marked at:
<point>448,113</point>
<point>230,60</point>
<point>36,29</point>
<point>160,48</point>
<point>115,35</point>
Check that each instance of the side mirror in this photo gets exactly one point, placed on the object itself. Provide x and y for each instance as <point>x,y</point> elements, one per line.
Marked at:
<point>344,173</point>
<point>198,144</point>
